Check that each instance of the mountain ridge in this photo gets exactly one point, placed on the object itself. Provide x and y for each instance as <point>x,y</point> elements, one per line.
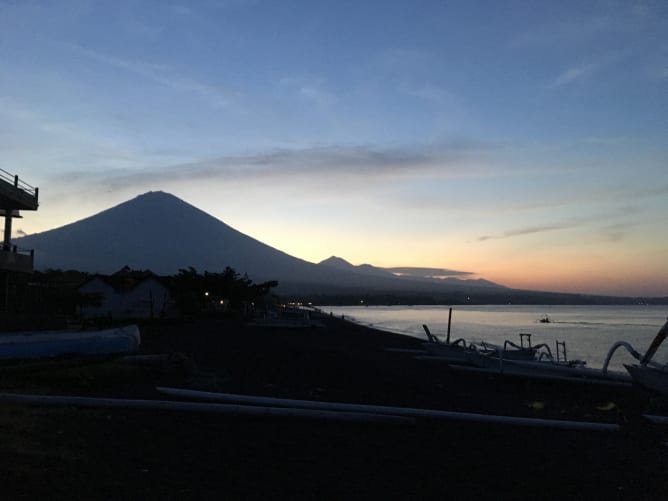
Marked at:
<point>413,273</point>
<point>159,231</point>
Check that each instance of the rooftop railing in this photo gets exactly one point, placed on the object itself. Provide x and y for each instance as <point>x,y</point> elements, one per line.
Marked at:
<point>22,185</point>
<point>17,194</point>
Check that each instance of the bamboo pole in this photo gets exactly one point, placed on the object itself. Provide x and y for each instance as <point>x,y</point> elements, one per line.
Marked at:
<point>228,409</point>
<point>386,410</point>
<point>662,420</point>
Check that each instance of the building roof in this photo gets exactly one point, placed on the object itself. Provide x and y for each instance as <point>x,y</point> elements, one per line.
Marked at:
<point>125,279</point>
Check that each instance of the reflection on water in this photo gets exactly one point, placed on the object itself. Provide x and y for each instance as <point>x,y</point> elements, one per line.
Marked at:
<point>589,331</point>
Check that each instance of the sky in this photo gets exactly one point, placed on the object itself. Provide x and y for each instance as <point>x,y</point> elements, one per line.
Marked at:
<point>522,142</point>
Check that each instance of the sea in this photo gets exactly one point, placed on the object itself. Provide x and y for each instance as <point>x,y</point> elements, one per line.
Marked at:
<point>588,331</point>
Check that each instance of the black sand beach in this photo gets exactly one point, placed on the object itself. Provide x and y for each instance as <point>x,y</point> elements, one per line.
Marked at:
<point>73,453</point>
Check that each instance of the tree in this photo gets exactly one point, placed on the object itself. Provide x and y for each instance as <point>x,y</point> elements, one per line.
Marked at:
<point>195,292</point>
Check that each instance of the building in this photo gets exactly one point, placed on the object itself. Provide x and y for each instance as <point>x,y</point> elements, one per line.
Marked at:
<point>125,294</point>
<point>15,195</point>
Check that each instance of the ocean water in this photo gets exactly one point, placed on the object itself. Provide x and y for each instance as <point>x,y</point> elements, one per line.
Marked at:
<point>589,331</point>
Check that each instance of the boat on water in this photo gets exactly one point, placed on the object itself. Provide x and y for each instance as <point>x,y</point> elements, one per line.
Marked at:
<point>538,361</point>
<point>481,353</point>
<point>44,344</point>
<point>648,373</point>
<point>525,359</point>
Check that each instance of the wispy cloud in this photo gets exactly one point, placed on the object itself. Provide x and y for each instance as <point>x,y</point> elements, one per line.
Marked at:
<point>53,133</point>
<point>402,59</point>
<point>529,230</point>
<point>572,31</point>
<point>162,74</point>
<point>311,88</point>
<point>333,163</point>
<point>615,220</point>
<point>614,232</point>
<point>574,74</point>
<point>605,140</point>
<point>429,92</point>
<point>428,272</point>
<point>584,71</point>
<point>618,18</point>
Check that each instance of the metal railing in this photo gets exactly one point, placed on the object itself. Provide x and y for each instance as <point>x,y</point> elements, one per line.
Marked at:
<point>22,185</point>
<point>15,250</point>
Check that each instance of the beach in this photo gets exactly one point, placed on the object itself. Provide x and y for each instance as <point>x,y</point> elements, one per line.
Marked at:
<point>74,453</point>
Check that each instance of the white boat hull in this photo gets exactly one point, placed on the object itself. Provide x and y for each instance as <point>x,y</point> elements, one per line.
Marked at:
<point>27,345</point>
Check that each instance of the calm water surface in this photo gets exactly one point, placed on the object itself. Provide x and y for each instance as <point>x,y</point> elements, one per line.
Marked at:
<point>589,331</point>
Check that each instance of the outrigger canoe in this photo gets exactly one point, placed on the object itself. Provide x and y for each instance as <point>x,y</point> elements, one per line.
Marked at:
<point>648,373</point>
<point>44,344</point>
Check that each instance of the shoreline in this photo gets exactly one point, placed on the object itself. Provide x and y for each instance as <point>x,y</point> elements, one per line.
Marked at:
<point>590,332</point>
<point>112,453</point>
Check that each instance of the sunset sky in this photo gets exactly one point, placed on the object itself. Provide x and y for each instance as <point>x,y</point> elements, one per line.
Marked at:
<point>524,142</point>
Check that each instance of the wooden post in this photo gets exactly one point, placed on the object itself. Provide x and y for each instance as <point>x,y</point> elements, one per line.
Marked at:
<point>8,230</point>
<point>449,322</point>
<point>7,273</point>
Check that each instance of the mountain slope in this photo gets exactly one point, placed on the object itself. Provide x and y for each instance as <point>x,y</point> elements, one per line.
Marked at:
<point>161,232</point>
<point>408,274</point>
<point>155,230</point>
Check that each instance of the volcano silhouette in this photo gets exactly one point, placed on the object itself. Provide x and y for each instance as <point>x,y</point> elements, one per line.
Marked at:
<point>161,232</point>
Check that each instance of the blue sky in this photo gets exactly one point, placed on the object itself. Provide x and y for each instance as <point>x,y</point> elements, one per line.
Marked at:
<point>525,142</point>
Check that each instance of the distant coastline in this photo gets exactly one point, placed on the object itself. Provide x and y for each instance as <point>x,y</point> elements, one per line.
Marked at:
<point>505,297</point>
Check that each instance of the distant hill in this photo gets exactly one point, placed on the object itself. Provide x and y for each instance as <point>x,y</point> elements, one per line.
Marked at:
<point>161,232</point>
<point>427,275</point>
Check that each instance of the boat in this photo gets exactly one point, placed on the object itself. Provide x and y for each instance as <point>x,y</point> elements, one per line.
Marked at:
<point>648,373</point>
<point>480,354</point>
<point>652,378</point>
<point>44,344</point>
<point>456,351</point>
<point>562,370</point>
<point>525,359</point>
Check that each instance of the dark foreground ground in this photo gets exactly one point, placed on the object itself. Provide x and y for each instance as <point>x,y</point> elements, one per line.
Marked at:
<point>71,453</point>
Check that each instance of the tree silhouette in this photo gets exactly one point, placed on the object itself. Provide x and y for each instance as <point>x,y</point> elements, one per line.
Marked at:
<point>195,292</point>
